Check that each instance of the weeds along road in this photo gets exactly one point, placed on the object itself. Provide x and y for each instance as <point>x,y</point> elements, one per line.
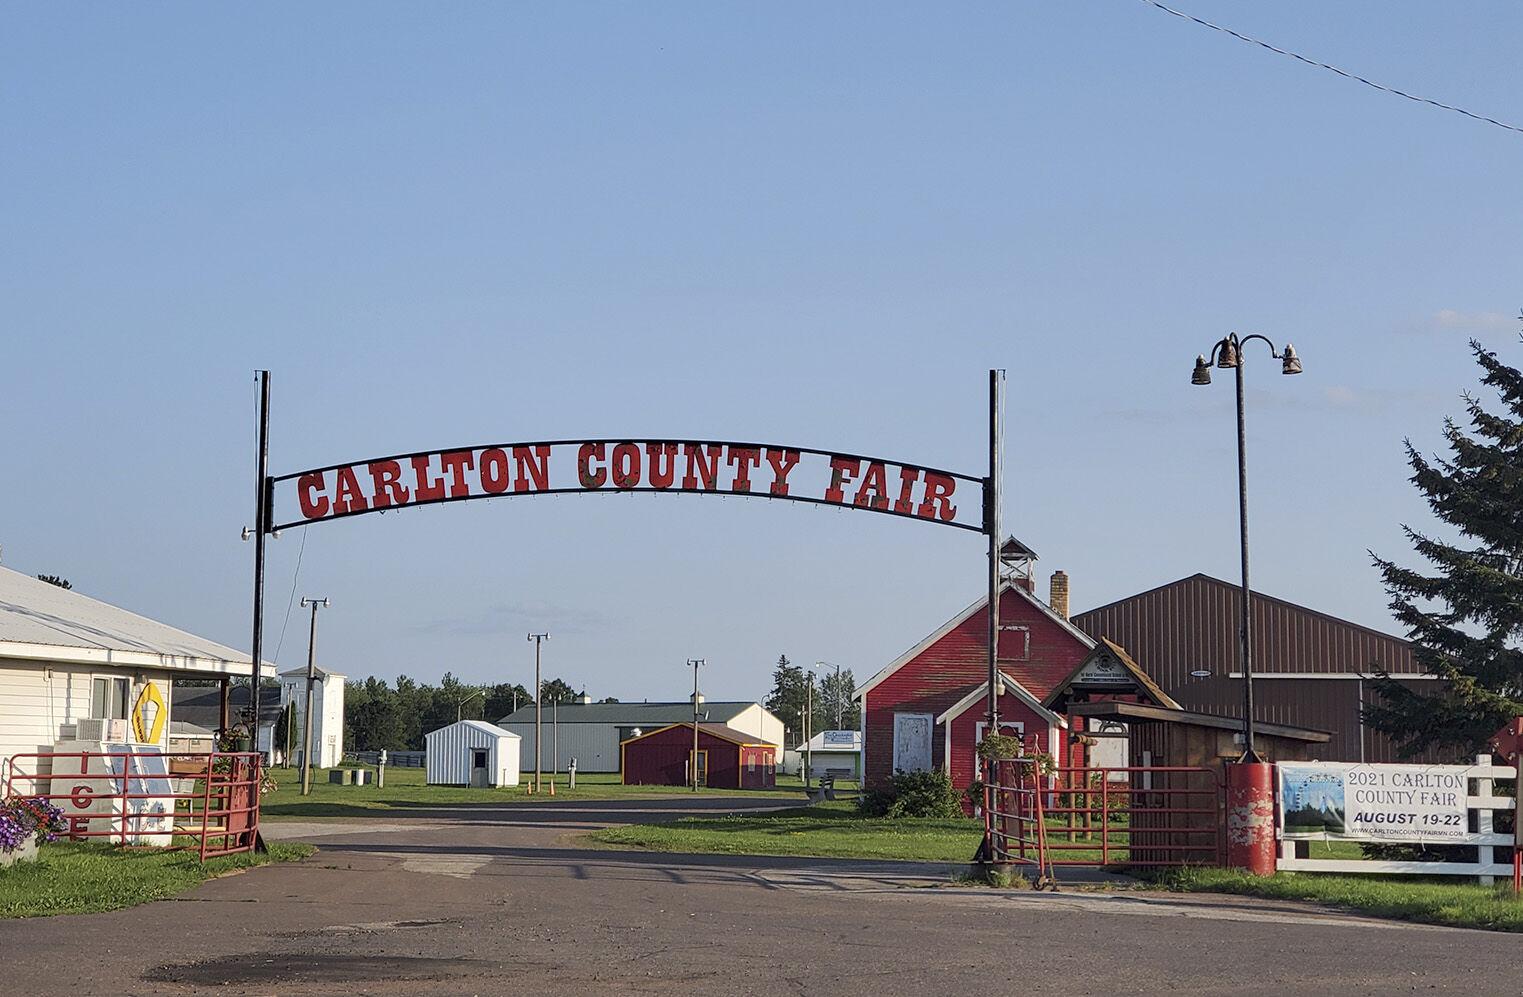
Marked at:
<point>498,899</point>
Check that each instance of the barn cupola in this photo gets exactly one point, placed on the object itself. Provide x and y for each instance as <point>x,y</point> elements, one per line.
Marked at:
<point>1018,564</point>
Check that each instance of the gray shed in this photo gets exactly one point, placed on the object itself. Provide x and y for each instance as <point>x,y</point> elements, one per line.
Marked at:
<point>471,753</point>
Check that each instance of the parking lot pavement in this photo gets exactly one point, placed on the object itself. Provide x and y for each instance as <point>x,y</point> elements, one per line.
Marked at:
<point>473,908</point>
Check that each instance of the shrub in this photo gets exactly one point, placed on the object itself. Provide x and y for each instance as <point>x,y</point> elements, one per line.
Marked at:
<point>914,794</point>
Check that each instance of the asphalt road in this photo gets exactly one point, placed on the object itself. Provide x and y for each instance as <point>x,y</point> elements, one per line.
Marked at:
<point>499,900</point>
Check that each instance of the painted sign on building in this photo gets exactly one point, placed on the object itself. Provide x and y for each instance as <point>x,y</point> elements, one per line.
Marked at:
<point>1354,802</point>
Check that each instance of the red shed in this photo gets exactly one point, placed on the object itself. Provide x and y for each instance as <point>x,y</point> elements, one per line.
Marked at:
<point>727,758</point>
<point>926,709</point>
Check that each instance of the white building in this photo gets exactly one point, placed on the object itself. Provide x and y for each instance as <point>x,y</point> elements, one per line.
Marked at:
<point>327,715</point>
<point>75,670</point>
<point>471,753</point>
<point>833,752</point>
<point>591,732</point>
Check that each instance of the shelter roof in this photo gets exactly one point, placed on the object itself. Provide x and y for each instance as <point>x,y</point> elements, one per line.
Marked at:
<point>1108,668</point>
<point>41,621</point>
<point>1139,712</point>
<point>980,693</point>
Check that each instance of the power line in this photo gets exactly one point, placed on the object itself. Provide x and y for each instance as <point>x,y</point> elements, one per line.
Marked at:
<point>295,578</point>
<point>1333,69</point>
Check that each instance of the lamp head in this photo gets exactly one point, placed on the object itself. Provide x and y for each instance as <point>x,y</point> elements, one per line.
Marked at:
<point>1227,358</point>
<point>1202,373</point>
<point>1290,363</point>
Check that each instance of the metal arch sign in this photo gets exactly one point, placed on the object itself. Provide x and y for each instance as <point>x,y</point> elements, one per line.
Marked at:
<point>700,467</point>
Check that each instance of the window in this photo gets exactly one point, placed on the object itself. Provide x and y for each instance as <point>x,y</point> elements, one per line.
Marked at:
<point>1015,642</point>
<point>108,699</point>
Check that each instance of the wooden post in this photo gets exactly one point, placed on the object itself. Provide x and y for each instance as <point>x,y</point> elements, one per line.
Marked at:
<point>1485,854</point>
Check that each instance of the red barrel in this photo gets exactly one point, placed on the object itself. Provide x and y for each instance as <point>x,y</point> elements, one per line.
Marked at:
<point>1250,817</point>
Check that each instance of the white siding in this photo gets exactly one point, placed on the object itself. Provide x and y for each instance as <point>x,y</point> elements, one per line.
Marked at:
<point>761,724</point>
<point>327,716</point>
<point>594,746</point>
<point>448,754</point>
<point>40,702</point>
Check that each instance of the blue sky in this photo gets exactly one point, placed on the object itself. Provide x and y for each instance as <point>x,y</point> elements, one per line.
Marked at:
<point>815,224</point>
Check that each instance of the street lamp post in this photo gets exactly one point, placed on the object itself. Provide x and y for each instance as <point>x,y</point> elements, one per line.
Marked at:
<point>808,720</point>
<point>460,703</point>
<point>697,710</point>
<point>1227,354</point>
<point>840,698</point>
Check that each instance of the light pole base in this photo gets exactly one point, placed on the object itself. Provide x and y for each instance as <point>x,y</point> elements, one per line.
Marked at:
<point>1250,817</point>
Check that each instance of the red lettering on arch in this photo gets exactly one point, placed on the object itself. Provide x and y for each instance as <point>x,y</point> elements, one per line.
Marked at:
<point>743,459</point>
<point>842,470</point>
<point>533,468</point>
<point>783,462</point>
<point>700,468</point>
<point>456,463</point>
<point>585,473</point>
<point>347,495</point>
<point>494,471</point>
<point>907,478</point>
<point>626,465</point>
<point>386,486</point>
<point>937,502</point>
<point>875,481</point>
<point>427,490</point>
<point>314,504</point>
<point>662,460</point>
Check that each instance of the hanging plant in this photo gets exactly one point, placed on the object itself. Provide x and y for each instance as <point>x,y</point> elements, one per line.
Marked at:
<point>1000,747</point>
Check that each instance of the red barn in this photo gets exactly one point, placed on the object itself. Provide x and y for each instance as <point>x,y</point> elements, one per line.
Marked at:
<point>928,708</point>
<point>727,758</point>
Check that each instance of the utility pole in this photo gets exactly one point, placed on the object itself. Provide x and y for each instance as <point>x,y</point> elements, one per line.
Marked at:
<point>539,711</point>
<point>808,719</point>
<point>306,736</point>
<point>697,707</point>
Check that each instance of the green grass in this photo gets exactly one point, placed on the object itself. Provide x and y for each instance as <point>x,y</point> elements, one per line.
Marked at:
<point>1429,900</point>
<point>405,790</point>
<point>73,878</point>
<point>832,830</point>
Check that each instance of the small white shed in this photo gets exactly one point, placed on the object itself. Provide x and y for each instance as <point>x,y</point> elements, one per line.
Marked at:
<point>471,753</point>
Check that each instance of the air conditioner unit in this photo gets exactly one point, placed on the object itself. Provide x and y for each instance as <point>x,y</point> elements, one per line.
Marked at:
<point>105,731</point>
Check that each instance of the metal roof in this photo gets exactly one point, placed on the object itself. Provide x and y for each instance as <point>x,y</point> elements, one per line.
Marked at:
<point>721,731</point>
<point>631,714</point>
<point>41,620</point>
<point>1135,712</point>
<point>481,725</point>
<point>300,671</point>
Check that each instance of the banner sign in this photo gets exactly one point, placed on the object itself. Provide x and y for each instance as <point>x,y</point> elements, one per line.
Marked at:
<point>683,466</point>
<point>1375,802</point>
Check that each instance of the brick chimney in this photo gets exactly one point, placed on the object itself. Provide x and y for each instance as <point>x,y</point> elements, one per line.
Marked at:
<point>1058,593</point>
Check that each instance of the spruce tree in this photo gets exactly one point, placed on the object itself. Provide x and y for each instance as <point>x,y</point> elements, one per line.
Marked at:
<point>1465,617</point>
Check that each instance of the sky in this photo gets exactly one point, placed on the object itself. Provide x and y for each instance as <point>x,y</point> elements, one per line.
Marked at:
<point>813,224</point>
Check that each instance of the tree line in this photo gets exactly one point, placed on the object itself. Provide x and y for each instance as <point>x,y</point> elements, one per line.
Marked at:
<point>380,715</point>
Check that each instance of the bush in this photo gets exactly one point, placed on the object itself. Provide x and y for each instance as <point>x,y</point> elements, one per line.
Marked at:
<point>913,794</point>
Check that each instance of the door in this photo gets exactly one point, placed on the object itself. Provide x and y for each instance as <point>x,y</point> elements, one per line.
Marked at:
<point>703,767</point>
<point>912,742</point>
<point>479,774</point>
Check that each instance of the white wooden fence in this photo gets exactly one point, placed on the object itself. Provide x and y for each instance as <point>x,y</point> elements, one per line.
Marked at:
<point>1484,838</point>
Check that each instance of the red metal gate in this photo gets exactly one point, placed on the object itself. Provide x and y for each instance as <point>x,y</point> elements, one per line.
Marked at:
<point>1135,817</point>
<point>206,801</point>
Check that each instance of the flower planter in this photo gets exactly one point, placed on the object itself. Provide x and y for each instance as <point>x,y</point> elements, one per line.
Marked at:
<point>24,853</point>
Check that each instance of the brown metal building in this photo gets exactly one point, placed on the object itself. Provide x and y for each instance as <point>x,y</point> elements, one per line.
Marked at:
<point>1309,667</point>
